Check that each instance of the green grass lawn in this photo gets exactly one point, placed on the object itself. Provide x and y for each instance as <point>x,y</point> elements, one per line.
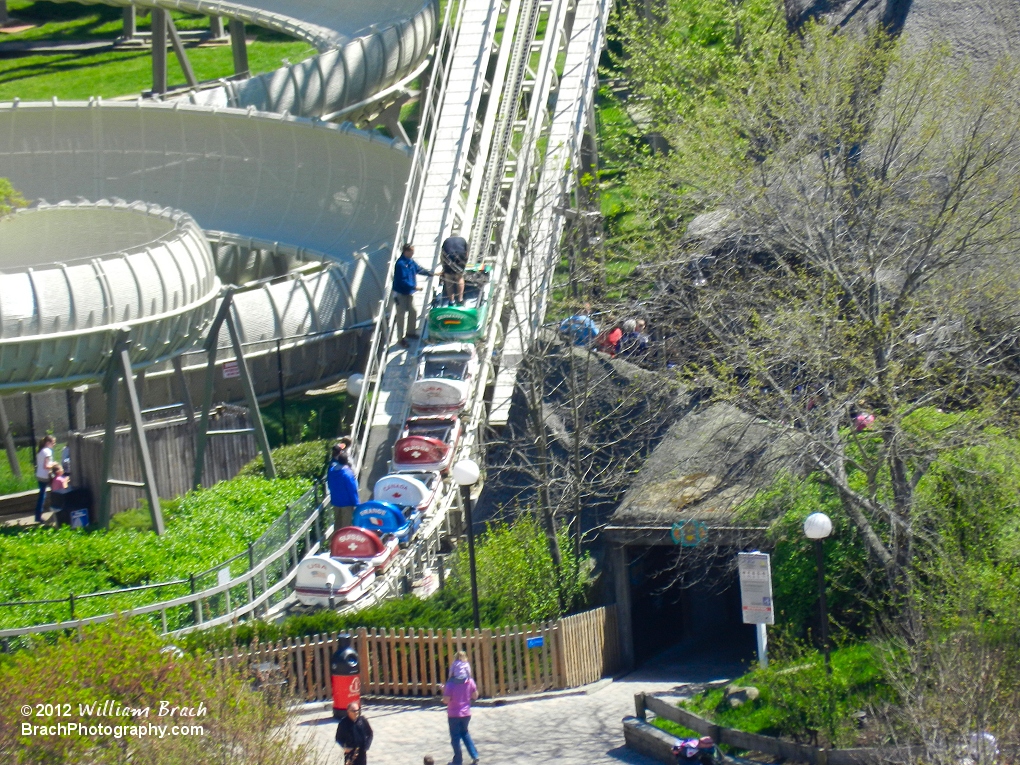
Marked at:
<point>73,76</point>
<point>11,485</point>
<point>791,694</point>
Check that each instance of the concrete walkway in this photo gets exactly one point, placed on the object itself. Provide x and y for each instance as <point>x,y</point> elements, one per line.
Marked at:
<point>572,730</point>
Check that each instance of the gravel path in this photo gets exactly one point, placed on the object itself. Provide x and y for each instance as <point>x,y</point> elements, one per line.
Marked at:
<point>568,730</point>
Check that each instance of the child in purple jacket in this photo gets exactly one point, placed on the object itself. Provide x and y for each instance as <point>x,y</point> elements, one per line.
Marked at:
<point>458,693</point>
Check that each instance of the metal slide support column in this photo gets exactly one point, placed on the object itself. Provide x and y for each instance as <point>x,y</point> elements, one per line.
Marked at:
<point>110,383</point>
<point>211,343</point>
<point>624,619</point>
<point>141,444</point>
<point>249,394</point>
<point>182,56</point>
<point>130,23</point>
<point>159,25</point>
<point>216,31</point>
<point>182,385</point>
<point>239,45</point>
<point>12,453</point>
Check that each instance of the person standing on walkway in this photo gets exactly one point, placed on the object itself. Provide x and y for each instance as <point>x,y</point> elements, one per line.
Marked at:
<point>458,693</point>
<point>405,284</point>
<point>43,465</point>
<point>354,734</point>
<point>343,488</point>
<point>454,258</point>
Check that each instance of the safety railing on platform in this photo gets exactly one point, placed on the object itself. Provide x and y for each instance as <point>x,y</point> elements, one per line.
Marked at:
<point>507,661</point>
<point>251,582</point>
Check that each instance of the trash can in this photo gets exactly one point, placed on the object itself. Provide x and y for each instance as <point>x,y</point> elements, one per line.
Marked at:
<point>345,674</point>
<point>72,506</point>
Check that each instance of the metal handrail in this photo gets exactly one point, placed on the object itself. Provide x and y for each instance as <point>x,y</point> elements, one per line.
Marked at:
<point>365,410</point>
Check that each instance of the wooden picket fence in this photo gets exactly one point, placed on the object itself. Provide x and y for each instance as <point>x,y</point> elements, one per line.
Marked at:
<point>566,653</point>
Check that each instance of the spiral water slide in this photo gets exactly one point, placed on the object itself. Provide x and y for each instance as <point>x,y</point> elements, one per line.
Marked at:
<point>132,191</point>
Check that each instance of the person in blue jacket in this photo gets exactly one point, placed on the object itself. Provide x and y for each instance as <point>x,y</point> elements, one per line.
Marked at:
<point>343,488</point>
<point>405,284</point>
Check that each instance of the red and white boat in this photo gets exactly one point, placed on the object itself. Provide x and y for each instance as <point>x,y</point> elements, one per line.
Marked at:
<point>446,373</point>
<point>417,489</point>
<point>427,443</point>
<point>324,581</point>
<point>356,545</point>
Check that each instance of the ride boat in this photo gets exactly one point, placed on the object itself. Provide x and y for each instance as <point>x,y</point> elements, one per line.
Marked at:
<point>352,544</point>
<point>445,375</point>
<point>427,443</point>
<point>322,580</point>
<point>465,321</point>
<point>417,489</point>
<point>387,518</point>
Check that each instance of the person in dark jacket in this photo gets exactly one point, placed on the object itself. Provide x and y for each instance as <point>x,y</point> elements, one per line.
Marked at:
<point>405,284</point>
<point>354,734</point>
<point>454,259</point>
<point>343,488</point>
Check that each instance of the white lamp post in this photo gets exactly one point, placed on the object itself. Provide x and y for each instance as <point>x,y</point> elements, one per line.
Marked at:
<point>355,384</point>
<point>817,527</point>
<point>466,473</point>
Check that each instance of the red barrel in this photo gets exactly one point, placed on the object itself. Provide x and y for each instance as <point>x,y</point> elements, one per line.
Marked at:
<point>345,673</point>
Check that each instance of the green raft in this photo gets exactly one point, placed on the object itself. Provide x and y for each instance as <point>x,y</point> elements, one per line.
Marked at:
<point>464,322</point>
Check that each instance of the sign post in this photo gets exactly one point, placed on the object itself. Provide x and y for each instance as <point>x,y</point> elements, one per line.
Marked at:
<point>756,596</point>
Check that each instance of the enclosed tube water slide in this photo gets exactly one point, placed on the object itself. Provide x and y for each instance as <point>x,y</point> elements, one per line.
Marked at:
<point>247,161</point>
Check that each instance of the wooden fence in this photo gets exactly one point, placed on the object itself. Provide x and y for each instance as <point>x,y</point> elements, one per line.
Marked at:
<point>590,646</point>
<point>172,446</point>
<point>510,661</point>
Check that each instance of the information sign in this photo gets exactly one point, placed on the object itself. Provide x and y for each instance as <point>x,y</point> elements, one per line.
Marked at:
<point>756,587</point>
<point>536,642</point>
<point>230,369</point>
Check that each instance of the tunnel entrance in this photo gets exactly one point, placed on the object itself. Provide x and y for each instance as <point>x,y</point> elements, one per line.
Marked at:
<point>698,605</point>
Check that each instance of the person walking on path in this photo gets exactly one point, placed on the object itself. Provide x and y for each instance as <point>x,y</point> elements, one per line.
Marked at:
<point>43,465</point>
<point>354,734</point>
<point>405,284</point>
<point>343,488</point>
<point>458,693</point>
<point>454,258</point>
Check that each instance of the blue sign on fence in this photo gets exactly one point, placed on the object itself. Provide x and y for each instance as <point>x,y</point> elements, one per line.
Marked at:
<point>536,642</point>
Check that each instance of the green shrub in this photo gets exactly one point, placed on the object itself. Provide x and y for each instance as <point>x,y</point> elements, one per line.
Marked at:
<point>306,460</point>
<point>203,528</point>
<point>129,665</point>
<point>785,505</point>
<point>516,573</point>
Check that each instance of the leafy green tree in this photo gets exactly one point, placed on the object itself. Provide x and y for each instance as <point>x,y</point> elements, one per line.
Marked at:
<point>10,198</point>
<point>862,262</point>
